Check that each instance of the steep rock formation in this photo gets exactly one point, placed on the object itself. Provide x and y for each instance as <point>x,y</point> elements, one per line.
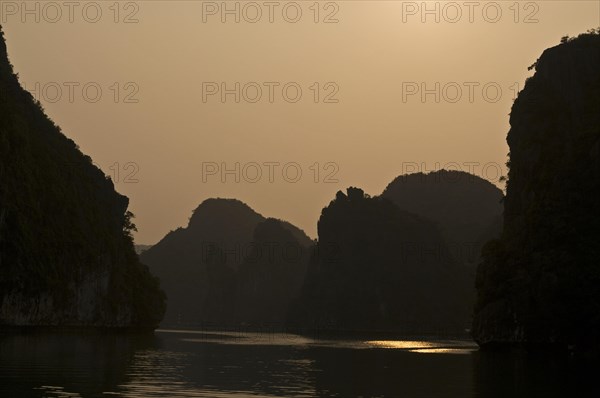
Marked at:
<point>538,284</point>
<point>66,252</point>
<point>202,266</point>
<point>380,268</point>
<point>466,208</point>
<point>271,275</point>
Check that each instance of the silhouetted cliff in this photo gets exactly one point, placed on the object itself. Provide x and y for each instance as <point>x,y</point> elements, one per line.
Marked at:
<point>377,267</point>
<point>66,252</point>
<point>271,274</point>
<point>539,283</point>
<point>228,258</point>
<point>466,208</point>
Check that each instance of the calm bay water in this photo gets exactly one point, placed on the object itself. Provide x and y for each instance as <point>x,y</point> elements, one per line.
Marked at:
<point>225,364</point>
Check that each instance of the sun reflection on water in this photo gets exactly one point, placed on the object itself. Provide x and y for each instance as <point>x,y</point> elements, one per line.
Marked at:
<point>425,347</point>
<point>401,344</point>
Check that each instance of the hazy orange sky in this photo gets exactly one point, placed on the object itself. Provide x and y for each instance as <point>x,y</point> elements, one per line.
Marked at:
<point>156,119</point>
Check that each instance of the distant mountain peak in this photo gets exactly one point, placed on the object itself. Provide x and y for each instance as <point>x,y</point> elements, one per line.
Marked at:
<point>200,288</point>
<point>442,177</point>
<point>221,210</point>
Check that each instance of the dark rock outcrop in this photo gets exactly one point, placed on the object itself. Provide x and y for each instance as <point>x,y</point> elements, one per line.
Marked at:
<point>66,252</point>
<point>271,275</point>
<point>539,283</point>
<point>466,208</point>
<point>379,268</point>
<point>227,263</point>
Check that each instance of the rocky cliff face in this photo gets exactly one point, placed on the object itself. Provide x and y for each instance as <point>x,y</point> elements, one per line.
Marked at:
<point>379,268</point>
<point>466,208</point>
<point>538,284</point>
<point>271,275</point>
<point>66,253</point>
<point>227,266</point>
